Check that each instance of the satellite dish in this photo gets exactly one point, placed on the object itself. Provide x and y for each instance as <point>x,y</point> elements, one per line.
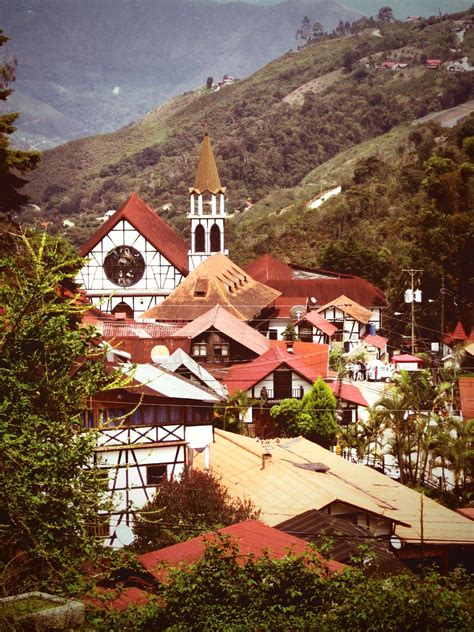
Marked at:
<point>158,353</point>
<point>297,312</point>
<point>313,300</point>
<point>124,534</point>
<point>395,542</point>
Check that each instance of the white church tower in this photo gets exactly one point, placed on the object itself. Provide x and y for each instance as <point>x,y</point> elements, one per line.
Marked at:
<point>207,210</point>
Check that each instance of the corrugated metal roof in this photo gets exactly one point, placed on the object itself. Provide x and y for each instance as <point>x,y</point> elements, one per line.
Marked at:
<point>251,537</point>
<point>151,226</point>
<point>349,393</point>
<point>346,540</point>
<point>282,490</point>
<point>180,358</point>
<point>228,324</point>
<point>457,334</point>
<point>228,285</point>
<point>376,341</point>
<point>406,357</point>
<point>137,329</point>
<point>319,322</point>
<point>162,382</point>
<point>307,359</point>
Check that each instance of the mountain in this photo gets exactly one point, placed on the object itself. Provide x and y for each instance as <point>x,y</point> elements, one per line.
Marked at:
<point>305,123</point>
<point>92,66</point>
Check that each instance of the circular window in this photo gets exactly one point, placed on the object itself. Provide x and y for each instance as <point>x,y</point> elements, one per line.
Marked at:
<point>124,266</point>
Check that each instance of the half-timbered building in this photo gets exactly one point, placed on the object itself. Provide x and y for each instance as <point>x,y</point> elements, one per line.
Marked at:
<point>148,430</point>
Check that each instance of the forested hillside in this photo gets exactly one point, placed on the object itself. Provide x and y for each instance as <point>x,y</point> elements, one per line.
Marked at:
<point>272,130</point>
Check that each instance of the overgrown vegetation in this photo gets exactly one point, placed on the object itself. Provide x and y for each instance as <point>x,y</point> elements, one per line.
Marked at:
<point>297,593</point>
<point>50,490</point>
<point>186,507</point>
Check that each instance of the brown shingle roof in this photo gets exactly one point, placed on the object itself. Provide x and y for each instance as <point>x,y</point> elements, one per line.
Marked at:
<point>228,324</point>
<point>349,307</point>
<point>151,226</point>
<point>228,286</point>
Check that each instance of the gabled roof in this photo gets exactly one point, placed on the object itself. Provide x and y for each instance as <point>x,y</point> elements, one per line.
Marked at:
<point>253,538</point>
<point>151,379</point>
<point>180,358</point>
<point>349,393</point>
<point>207,176</point>
<point>216,281</point>
<point>406,357</point>
<point>283,489</point>
<point>457,335</point>
<point>267,267</point>
<point>349,307</point>
<point>228,324</point>
<point>376,341</point>
<point>319,322</point>
<point>151,226</point>
<point>466,394</point>
<point>307,359</point>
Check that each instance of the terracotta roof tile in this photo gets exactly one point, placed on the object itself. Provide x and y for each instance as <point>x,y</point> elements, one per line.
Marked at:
<point>228,286</point>
<point>228,324</point>
<point>151,226</point>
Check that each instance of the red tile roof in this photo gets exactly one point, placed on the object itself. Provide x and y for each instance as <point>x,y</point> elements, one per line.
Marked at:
<point>467,512</point>
<point>308,360</point>
<point>151,226</point>
<point>117,598</point>
<point>228,324</point>
<point>466,393</point>
<point>252,538</point>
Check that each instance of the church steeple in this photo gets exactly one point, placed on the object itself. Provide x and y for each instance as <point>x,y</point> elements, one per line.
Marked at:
<point>207,208</point>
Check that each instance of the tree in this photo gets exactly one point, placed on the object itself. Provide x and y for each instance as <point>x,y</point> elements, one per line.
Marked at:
<point>209,83</point>
<point>50,489</point>
<point>318,30</point>
<point>187,506</point>
<point>230,415</point>
<point>304,32</point>
<point>290,334</point>
<point>12,161</point>
<point>385,14</point>
<point>313,417</point>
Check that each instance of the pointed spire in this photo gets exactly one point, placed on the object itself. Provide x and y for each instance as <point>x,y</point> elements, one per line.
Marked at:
<point>207,176</point>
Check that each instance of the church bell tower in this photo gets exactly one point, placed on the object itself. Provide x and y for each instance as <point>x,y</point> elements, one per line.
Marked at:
<point>207,209</point>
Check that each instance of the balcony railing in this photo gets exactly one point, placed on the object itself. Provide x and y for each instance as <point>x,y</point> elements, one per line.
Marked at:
<point>279,394</point>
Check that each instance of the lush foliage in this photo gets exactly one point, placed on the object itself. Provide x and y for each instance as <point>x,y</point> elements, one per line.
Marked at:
<point>50,490</point>
<point>423,434</point>
<point>12,161</point>
<point>297,593</point>
<point>313,417</point>
<point>185,507</point>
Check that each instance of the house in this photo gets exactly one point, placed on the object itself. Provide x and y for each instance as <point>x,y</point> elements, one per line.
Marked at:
<point>251,537</point>
<point>216,281</point>
<point>349,318</point>
<point>287,370</point>
<point>453,339</point>
<point>374,346</point>
<point>312,327</point>
<point>309,288</point>
<point>286,478</point>
<point>219,337</point>
<point>433,63</point>
<point>407,362</point>
<point>147,429</point>
<point>181,363</point>
<point>346,540</point>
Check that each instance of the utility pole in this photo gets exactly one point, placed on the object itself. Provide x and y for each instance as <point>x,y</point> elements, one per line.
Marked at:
<point>410,297</point>
<point>442,292</point>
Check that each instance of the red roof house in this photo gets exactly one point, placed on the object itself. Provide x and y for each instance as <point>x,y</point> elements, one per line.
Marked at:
<point>251,537</point>
<point>466,394</point>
